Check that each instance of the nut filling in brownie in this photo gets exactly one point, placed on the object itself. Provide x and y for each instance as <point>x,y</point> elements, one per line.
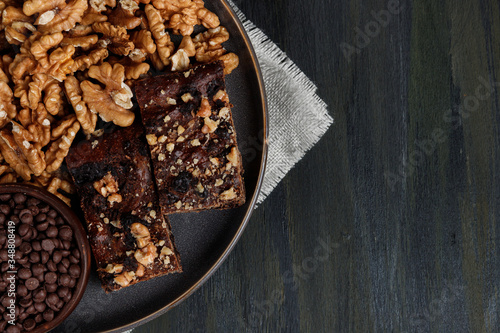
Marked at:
<point>130,238</point>
<point>191,137</point>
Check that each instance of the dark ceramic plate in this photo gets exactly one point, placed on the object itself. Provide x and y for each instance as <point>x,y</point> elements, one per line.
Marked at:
<point>203,239</point>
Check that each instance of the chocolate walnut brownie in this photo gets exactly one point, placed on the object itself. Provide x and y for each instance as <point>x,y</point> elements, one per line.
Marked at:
<point>130,238</point>
<point>191,136</point>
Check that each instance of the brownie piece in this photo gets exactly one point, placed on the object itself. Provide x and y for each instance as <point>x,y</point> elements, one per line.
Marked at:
<point>130,238</point>
<point>192,140</point>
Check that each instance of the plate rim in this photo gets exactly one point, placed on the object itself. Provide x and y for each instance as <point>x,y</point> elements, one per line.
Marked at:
<point>253,201</point>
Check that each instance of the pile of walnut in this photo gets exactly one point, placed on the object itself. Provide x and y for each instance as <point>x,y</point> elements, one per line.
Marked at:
<point>64,63</point>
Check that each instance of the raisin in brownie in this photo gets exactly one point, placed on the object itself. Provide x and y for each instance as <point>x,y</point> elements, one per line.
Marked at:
<point>130,238</point>
<point>191,137</point>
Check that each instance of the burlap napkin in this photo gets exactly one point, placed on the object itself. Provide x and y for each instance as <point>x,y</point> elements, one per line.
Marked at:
<point>298,118</point>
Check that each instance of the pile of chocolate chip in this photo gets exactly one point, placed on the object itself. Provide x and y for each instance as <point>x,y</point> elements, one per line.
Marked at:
<point>39,263</point>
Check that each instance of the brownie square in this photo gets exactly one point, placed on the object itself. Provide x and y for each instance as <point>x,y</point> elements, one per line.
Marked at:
<point>130,238</point>
<point>190,132</point>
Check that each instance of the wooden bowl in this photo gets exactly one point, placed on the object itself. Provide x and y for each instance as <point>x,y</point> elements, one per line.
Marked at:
<point>80,237</point>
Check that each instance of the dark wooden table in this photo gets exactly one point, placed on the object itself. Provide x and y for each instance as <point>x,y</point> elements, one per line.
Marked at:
<point>390,223</point>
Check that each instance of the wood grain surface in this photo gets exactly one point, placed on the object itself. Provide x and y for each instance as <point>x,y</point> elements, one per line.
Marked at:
<point>390,223</point>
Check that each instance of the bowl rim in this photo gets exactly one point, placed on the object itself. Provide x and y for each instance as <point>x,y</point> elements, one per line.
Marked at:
<point>80,236</point>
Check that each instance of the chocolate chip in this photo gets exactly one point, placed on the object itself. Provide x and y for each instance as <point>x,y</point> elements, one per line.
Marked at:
<point>22,290</point>
<point>74,271</point>
<point>42,226</point>
<point>34,210</point>
<point>26,216</point>
<point>52,231</point>
<point>51,288</point>
<point>64,280</point>
<point>29,324</point>
<point>5,209</point>
<point>62,291</point>
<point>65,233</point>
<point>48,315</point>
<point>52,213</point>
<point>44,256</point>
<point>19,198</point>
<point>32,283</point>
<point>52,299</point>
<point>51,221</point>
<point>36,246</point>
<point>66,262</point>
<point>48,245</point>
<point>66,244</point>
<point>34,257</point>
<point>31,310</point>
<point>40,306</point>
<point>57,256</point>
<point>24,273</point>
<point>25,248</point>
<point>4,255</point>
<point>37,269</point>
<point>40,217</point>
<point>39,295</point>
<point>13,329</point>
<point>26,302</point>
<point>5,196</point>
<point>62,269</point>
<point>73,259</point>
<point>51,266</point>
<point>24,229</point>
<point>50,277</point>
<point>6,301</point>
<point>22,316</point>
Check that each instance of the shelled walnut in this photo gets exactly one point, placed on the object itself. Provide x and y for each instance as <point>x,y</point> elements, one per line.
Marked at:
<point>63,63</point>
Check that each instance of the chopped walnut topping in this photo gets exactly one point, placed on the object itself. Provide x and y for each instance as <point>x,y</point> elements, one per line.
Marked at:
<point>205,109</point>
<point>171,101</point>
<point>106,186</point>
<point>221,95</point>
<point>219,182</point>
<point>170,147</point>
<point>165,251</point>
<point>214,161</point>
<point>140,270</point>
<point>161,157</point>
<point>195,142</point>
<point>210,125</point>
<point>178,204</point>
<point>146,255</point>
<point>186,97</point>
<point>228,194</point>
<point>115,197</point>
<point>141,234</point>
<point>162,139</point>
<point>112,269</point>
<point>152,140</point>
<point>232,157</point>
<point>180,129</point>
<point>124,278</point>
<point>116,224</point>
<point>224,113</point>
